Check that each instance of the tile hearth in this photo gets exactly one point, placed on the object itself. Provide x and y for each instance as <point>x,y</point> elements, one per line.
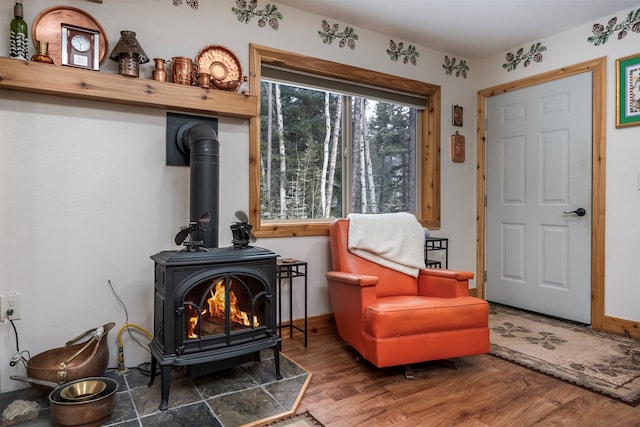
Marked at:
<point>243,394</point>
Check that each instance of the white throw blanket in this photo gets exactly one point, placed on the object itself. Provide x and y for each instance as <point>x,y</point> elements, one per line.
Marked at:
<point>394,240</point>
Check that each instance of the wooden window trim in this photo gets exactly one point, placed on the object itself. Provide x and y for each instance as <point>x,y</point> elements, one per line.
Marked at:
<point>430,181</point>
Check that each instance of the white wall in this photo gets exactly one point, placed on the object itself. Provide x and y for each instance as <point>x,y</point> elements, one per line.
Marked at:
<point>622,270</point>
<point>85,196</point>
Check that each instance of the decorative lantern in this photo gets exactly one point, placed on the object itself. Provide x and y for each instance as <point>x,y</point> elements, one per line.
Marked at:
<point>129,54</point>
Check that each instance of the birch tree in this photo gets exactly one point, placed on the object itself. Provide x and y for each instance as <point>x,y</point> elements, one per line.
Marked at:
<point>411,194</point>
<point>282,152</point>
<point>269,154</point>
<point>325,155</point>
<point>369,165</point>
<point>358,141</point>
<point>335,141</point>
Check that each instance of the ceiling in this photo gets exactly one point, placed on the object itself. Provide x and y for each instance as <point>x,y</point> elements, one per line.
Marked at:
<point>471,29</point>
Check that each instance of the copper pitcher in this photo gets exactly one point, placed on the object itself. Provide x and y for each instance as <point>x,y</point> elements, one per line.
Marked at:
<point>182,70</point>
<point>158,72</point>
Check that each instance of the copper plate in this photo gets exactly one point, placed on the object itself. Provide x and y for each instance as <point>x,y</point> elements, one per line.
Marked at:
<point>47,27</point>
<point>221,64</point>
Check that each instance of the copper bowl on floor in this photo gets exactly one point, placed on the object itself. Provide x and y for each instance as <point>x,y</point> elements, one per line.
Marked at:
<point>74,361</point>
<point>96,405</point>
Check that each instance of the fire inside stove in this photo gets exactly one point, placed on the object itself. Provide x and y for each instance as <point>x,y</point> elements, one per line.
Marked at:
<point>208,308</point>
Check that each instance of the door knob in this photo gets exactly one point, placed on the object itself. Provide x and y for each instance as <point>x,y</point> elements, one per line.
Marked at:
<point>579,212</point>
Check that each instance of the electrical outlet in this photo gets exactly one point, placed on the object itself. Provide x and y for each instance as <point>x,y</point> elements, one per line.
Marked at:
<point>10,302</point>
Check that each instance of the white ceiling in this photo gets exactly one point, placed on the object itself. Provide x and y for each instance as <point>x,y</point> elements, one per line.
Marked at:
<point>472,29</point>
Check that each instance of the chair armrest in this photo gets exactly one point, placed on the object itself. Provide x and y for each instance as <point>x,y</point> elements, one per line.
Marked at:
<point>452,274</point>
<point>350,295</point>
<point>352,279</point>
<point>441,283</point>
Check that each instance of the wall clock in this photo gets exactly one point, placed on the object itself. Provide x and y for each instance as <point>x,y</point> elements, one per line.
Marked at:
<point>80,47</point>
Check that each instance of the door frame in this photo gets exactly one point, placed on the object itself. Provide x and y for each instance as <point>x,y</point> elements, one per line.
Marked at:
<point>598,67</point>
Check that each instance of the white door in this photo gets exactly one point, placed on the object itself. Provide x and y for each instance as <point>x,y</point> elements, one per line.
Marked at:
<point>539,168</point>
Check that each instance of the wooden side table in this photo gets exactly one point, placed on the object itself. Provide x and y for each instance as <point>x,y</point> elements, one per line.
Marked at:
<point>288,268</point>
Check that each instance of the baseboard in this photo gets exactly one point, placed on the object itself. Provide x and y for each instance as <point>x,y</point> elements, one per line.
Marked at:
<point>622,327</point>
<point>321,324</point>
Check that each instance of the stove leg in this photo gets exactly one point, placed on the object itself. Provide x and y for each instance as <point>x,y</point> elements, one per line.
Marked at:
<point>152,376</point>
<point>165,382</point>
<point>276,360</point>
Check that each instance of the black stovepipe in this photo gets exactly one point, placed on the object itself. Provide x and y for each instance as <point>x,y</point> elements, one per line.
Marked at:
<point>201,142</point>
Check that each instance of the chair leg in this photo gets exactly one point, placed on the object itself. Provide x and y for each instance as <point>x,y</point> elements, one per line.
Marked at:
<point>408,372</point>
<point>447,363</point>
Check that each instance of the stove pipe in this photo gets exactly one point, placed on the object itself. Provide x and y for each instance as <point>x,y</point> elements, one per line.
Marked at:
<point>201,142</point>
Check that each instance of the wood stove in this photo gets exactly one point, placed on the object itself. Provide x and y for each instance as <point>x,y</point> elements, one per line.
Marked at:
<point>213,309</point>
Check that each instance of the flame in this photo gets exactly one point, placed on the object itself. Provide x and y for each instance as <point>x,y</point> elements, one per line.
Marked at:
<point>216,309</point>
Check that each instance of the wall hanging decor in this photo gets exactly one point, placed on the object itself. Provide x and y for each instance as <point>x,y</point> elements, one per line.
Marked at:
<point>601,33</point>
<point>534,54</point>
<point>246,11</point>
<point>395,51</point>
<point>628,91</point>
<point>456,115</point>
<point>192,3</point>
<point>457,148</point>
<point>460,68</point>
<point>331,32</point>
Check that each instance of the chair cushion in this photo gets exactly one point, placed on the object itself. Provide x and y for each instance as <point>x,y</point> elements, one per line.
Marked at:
<point>399,316</point>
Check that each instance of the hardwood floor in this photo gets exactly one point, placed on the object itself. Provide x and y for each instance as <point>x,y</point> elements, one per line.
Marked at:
<point>482,391</point>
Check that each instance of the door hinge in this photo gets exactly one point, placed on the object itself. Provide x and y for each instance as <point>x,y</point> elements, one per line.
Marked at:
<point>484,273</point>
<point>485,200</point>
<point>486,123</point>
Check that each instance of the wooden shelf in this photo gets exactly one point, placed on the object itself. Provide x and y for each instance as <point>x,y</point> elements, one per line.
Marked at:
<point>72,82</point>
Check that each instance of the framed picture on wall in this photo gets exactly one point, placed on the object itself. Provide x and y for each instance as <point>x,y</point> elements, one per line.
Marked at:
<point>628,91</point>
<point>456,115</point>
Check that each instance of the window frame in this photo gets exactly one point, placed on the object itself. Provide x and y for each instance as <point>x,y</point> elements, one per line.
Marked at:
<point>430,135</point>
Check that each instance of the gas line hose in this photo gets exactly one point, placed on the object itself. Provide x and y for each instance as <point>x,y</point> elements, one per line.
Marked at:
<point>121,368</point>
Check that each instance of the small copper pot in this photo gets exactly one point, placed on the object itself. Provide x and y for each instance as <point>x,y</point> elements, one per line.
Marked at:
<point>204,80</point>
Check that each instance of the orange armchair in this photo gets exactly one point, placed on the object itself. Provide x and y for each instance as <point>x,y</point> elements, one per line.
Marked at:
<point>394,319</point>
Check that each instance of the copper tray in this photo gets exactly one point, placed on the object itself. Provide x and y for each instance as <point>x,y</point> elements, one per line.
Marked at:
<point>222,65</point>
<point>47,28</point>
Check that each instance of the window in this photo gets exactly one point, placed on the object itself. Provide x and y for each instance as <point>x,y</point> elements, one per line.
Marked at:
<point>334,139</point>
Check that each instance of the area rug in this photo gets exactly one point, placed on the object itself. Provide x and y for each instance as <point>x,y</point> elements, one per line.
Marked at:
<point>604,363</point>
<point>304,419</point>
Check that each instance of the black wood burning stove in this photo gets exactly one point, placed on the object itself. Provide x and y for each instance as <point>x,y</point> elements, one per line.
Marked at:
<point>213,309</point>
